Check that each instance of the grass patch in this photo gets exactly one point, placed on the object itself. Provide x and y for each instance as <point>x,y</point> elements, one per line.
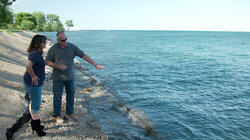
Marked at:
<point>9,31</point>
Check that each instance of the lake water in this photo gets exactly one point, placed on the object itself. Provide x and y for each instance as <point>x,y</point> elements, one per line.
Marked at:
<point>192,85</point>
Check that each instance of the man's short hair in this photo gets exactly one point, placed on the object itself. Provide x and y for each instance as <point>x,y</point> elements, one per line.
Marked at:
<point>58,33</point>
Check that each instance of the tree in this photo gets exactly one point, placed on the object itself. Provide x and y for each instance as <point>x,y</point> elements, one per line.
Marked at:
<point>57,26</point>
<point>52,17</point>
<point>5,3</point>
<point>27,25</point>
<point>47,27</point>
<point>6,16</point>
<point>69,23</point>
<point>25,17</point>
<point>53,23</point>
<point>41,21</point>
<point>37,21</point>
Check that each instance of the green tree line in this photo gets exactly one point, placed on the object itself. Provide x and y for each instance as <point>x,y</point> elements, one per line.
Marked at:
<point>36,21</point>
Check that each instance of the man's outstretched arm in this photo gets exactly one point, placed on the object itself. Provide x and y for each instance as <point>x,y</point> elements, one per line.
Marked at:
<point>89,60</point>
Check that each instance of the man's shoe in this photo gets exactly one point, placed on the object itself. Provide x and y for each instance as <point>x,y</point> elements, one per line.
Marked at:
<point>59,120</point>
<point>72,117</point>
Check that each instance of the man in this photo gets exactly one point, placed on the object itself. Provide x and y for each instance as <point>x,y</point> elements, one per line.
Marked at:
<point>60,57</point>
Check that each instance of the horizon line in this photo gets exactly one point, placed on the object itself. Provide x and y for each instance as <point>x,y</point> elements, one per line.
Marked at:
<point>156,30</point>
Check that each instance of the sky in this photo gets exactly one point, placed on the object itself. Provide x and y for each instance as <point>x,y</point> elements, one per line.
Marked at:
<point>195,15</point>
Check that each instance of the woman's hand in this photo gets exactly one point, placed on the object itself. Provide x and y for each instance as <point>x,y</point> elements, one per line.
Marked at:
<point>34,80</point>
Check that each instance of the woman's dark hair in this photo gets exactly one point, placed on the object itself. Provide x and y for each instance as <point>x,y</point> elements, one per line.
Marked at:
<point>35,44</point>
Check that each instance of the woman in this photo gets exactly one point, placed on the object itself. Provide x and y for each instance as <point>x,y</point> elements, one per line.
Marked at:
<point>33,80</point>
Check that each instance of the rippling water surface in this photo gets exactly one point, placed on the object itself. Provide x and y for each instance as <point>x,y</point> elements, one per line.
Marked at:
<point>191,84</point>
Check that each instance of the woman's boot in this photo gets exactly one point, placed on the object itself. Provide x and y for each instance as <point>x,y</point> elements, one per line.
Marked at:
<point>36,126</point>
<point>42,126</point>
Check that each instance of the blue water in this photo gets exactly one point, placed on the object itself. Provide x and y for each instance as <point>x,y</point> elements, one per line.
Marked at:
<point>191,84</point>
